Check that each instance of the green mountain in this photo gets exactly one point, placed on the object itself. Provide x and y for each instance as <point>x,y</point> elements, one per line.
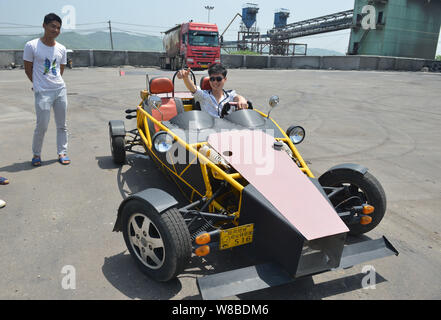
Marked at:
<point>323,52</point>
<point>14,42</point>
<point>97,41</point>
<point>121,41</point>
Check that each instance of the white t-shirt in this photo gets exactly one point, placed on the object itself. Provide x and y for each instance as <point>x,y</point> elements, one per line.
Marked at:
<point>208,101</point>
<point>46,64</point>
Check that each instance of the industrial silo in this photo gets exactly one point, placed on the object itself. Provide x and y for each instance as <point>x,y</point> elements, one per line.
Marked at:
<point>401,28</point>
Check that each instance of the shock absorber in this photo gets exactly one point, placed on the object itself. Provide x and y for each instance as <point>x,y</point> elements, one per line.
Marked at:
<point>201,229</point>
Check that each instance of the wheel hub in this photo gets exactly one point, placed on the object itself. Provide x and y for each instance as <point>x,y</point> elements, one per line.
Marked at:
<point>149,247</point>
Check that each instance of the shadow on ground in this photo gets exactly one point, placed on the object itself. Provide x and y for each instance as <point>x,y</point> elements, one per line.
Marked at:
<point>139,173</point>
<point>121,271</point>
<point>306,289</point>
<point>26,166</point>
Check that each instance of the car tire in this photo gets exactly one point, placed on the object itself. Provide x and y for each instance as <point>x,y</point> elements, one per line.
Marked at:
<point>159,243</point>
<point>366,187</point>
<point>118,148</point>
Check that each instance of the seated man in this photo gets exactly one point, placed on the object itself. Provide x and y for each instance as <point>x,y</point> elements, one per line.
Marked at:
<point>212,101</point>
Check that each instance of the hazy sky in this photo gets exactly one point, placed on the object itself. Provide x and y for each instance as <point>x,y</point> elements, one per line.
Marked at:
<point>152,17</point>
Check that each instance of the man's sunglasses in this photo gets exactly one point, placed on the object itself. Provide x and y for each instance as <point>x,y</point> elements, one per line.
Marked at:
<point>218,79</point>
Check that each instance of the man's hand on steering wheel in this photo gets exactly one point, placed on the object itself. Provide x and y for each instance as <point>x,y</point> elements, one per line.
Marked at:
<point>241,103</point>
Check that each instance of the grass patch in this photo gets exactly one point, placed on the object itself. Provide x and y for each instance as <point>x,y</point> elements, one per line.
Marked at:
<point>245,53</point>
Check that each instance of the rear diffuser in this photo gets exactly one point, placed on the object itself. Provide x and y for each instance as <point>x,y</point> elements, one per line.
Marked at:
<point>248,279</point>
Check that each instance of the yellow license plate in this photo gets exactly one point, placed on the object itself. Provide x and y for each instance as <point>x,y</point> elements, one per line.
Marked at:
<point>204,66</point>
<point>236,236</point>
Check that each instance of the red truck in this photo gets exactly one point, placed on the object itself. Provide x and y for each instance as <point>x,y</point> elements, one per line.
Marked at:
<point>191,44</point>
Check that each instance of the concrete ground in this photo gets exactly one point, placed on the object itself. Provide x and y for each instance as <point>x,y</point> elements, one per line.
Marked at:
<point>59,216</point>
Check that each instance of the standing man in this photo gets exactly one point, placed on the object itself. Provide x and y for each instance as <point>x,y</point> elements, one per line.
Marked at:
<point>44,62</point>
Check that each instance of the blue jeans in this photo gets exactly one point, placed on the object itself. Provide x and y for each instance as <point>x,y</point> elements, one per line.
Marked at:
<point>44,101</point>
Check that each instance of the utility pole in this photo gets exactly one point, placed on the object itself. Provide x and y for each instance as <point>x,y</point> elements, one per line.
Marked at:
<point>209,8</point>
<point>110,29</point>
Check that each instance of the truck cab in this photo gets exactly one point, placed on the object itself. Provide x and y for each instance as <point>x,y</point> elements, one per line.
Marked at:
<point>191,44</point>
<point>200,44</point>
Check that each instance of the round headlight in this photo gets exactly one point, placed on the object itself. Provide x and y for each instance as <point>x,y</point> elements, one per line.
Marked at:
<point>296,134</point>
<point>162,142</point>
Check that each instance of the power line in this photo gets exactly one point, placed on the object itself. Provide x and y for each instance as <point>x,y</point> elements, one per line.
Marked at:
<point>39,26</point>
<point>20,35</point>
<point>17,24</point>
<point>19,27</point>
<point>84,30</point>
<point>87,24</point>
<point>79,31</point>
<point>141,25</point>
<point>134,32</point>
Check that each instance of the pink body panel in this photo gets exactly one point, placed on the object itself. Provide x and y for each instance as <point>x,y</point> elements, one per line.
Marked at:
<point>280,181</point>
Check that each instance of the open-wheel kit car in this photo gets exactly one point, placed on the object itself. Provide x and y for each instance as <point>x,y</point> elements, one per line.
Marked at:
<point>248,189</point>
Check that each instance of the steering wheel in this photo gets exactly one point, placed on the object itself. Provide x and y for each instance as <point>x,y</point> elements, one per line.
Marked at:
<point>227,107</point>
<point>193,77</point>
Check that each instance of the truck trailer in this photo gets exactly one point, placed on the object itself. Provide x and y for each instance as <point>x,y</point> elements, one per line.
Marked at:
<point>191,44</point>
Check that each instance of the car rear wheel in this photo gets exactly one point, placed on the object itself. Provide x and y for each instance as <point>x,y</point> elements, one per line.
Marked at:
<point>159,243</point>
<point>359,189</point>
<point>117,147</point>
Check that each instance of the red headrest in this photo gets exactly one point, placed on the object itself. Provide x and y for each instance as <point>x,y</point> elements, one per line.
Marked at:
<point>205,83</point>
<point>161,85</point>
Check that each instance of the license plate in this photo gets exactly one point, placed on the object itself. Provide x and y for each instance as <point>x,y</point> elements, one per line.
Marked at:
<point>204,66</point>
<point>236,236</point>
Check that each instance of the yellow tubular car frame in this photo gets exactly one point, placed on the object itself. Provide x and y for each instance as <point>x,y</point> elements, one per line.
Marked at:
<point>233,179</point>
<point>225,210</point>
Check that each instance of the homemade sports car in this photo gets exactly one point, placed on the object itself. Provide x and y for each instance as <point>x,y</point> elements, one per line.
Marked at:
<point>248,189</point>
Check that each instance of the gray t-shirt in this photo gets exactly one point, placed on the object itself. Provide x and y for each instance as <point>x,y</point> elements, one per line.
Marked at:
<point>46,64</point>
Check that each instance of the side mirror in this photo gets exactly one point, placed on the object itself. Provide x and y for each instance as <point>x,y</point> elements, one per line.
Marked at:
<point>273,102</point>
<point>156,102</point>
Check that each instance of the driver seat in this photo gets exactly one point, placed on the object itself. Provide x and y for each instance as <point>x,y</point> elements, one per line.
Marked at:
<point>204,85</point>
<point>171,106</point>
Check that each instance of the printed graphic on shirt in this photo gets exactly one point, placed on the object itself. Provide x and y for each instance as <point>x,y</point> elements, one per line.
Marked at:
<point>48,66</point>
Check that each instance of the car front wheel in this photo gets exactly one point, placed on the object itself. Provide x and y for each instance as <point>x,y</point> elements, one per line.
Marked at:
<point>358,189</point>
<point>159,243</point>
